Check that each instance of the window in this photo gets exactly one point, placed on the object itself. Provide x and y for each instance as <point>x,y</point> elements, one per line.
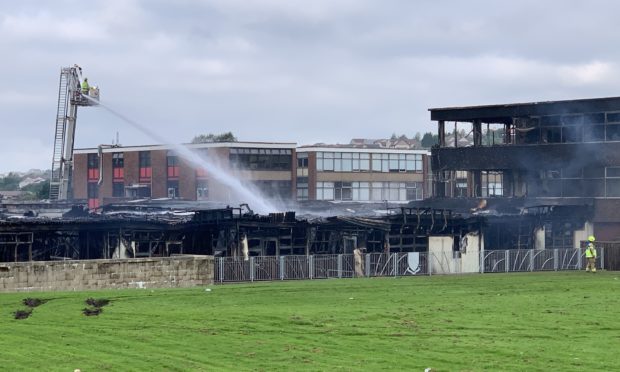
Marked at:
<point>302,194</point>
<point>118,189</point>
<point>145,166</point>
<point>612,132</point>
<point>460,186</point>
<point>93,195</point>
<point>361,191</point>
<point>367,191</point>
<point>612,182</point>
<point>302,188</point>
<point>93,190</point>
<point>173,165</point>
<point>93,167</point>
<point>376,162</point>
<point>302,160</point>
<point>415,191</point>
<point>343,161</point>
<point>118,164</point>
<point>261,159</point>
<point>324,191</point>
<point>343,191</point>
<point>492,184</point>
<point>202,190</point>
<point>173,189</point>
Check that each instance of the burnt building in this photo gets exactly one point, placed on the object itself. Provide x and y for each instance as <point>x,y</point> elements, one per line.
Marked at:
<point>546,174</point>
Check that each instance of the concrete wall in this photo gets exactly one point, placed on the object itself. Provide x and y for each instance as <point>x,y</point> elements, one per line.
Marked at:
<point>582,234</point>
<point>179,271</point>
<point>442,255</point>
<point>470,256</point>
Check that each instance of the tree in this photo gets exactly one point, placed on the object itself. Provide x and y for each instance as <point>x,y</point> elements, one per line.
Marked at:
<point>10,182</point>
<point>208,138</point>
<point>40,190</point>
<point>429,140</point>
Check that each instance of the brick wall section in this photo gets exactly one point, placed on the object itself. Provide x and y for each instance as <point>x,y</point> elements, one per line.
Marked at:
<point>294,174</point>
<point>312,174</point>
<point>217,190</point>
<point>80,175</point>
<point>187,180</point>
<point>168,272</point>
<point>159,167</point>
<point>131,169</point>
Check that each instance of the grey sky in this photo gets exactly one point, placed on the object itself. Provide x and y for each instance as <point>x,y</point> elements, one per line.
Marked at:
<point>292,71</point>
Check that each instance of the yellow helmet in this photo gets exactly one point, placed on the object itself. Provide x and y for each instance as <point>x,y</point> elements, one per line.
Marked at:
<point>591,238</point>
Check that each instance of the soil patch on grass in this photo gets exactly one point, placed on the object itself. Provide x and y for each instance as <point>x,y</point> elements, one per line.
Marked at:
<point>33,302</point>
<point>22,314</point>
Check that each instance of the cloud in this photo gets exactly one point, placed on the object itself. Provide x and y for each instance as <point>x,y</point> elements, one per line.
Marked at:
<point>21,98</point>
<point>44,26</point>
<point>271,70</point>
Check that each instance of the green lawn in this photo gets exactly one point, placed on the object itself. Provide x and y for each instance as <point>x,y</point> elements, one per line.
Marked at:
<point>531,321</point>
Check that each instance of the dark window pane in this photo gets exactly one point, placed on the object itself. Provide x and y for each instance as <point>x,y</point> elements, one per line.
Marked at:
<point>593,188</point>
<point>547,121</point>
<point>613,132</point>
<point>613,117</point>
<point>594,118</point>
<point>594,133</point>
<point>613,188</point>
<point>571,188</point>
<point>571,119</point>
<point>613,172</point>
<point>593,172</point>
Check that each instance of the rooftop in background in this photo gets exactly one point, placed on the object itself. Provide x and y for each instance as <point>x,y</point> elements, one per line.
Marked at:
<point>504,113</point>
<point>394,143</point>
<point>279,145</point>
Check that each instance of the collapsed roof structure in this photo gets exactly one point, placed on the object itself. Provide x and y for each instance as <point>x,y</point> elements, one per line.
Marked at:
<point>164,228</point>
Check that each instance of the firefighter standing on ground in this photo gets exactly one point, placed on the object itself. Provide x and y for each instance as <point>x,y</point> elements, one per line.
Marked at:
<point>591,255</point>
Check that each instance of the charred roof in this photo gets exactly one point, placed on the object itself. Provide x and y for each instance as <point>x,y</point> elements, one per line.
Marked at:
<point>503,113</point>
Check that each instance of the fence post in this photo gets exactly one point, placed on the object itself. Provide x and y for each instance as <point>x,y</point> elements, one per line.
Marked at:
<point>507,255</point>
<point>579,260</point>
<point>281,267</point>
<point>367,263</point>
<point>555,259</point>
<point>311,267</point>
<point>221,269</point>
<point>395,263</point>
<point>251,269</point>
<point>339,266</point>
<point>429,261</point>
<point>602,258</point>
<point>531,260</point>
<point>481,259</point>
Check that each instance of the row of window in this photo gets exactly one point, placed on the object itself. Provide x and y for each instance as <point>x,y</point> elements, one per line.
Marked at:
<point>366,162</point>
<point>367,191</point>
<point>261,162</point>
<point>565,182</point>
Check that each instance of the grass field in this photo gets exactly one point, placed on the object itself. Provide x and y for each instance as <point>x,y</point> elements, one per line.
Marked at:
<point>532,321</point>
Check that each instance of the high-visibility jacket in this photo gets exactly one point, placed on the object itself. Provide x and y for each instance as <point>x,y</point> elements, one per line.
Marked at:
<point>85,86</point>
<point>590,251</point>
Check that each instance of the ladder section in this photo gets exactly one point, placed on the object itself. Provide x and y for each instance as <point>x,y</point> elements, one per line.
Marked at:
<point>60,133</point>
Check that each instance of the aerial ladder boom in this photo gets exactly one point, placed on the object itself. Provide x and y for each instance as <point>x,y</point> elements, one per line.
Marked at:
<point>70,95</point>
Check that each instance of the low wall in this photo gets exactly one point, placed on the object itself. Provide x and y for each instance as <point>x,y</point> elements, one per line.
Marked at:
<point>167,272</point>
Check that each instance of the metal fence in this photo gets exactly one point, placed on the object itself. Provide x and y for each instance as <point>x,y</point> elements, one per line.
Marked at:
<point>265,268</point>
